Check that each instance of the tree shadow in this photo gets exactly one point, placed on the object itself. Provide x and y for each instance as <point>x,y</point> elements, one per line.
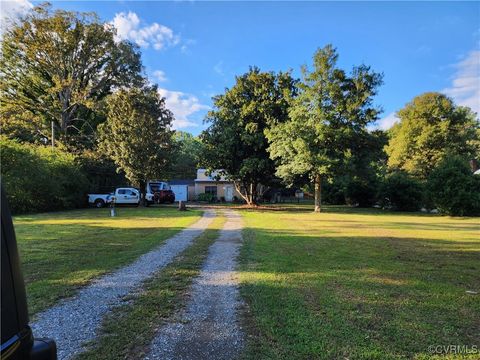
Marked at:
<point>358,296</point>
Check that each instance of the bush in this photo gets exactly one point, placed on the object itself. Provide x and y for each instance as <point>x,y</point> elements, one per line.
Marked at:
<point>453,188</point>
<point>38,178</point>
<point>332,192</point>
<point>101,172</point>
<point>401,192</point>
<point>206,197</point>
<point>361,192</point>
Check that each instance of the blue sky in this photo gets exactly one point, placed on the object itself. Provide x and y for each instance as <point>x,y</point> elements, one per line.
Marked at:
<point>193,50</point>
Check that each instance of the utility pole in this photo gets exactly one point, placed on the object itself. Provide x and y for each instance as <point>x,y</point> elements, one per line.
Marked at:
<point>53,135</point>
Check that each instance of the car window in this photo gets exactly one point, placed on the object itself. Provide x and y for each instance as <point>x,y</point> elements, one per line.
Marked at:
<point>122,192</point>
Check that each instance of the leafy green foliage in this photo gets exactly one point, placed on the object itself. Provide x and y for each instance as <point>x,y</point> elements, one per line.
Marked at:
<point>453,188</point>
<point>431,126</point>
<point>137,134</point>
<point>401,192</point>
<point>186,156</point>
<point>57,66</point>
<point>360,191</point>
<point>206,197</point>
<point>365,168</point>
<point>235,141</point>
<point>38,178</point>
<point>327,119</point>
<point>101,172</point>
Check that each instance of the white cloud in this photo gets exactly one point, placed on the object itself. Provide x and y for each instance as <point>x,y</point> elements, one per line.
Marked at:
<point>129,27</point>
<point>160,76</point>
<point>387,122</point>
<point>10,11</point>
<point>183,106</point>
<point>465,88</point>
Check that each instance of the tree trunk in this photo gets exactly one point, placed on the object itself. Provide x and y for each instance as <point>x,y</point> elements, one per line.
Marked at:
<point>318,193</point>
<point>143,193</point>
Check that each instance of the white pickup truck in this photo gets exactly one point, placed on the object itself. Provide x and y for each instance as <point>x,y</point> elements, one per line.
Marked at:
<point>120,196</point>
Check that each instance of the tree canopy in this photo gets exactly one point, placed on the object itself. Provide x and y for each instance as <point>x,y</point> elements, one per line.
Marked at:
<point>327,118</point>
<point>56,66</point>
<point>235,142</point>
<point>187,155</point>
<point>137,134</point>
<point>431,126</point>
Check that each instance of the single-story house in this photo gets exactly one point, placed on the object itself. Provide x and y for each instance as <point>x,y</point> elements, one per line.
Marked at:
<point>222,189</point>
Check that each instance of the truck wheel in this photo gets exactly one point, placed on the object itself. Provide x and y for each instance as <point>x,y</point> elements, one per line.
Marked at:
<point>99,203</point>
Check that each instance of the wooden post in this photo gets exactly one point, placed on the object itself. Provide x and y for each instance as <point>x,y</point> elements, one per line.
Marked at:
<point>182,206</point>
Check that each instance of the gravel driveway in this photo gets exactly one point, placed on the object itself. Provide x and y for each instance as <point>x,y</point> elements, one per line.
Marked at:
<point>74,321</point>
<point>208,327</point>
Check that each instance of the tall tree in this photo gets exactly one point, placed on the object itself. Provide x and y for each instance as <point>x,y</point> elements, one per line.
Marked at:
<point>137,134</point>
<point>235,142</point>
<point>431,127</point>
<point>187,153</point>
<point>327,119</point>
<point>57,65</point>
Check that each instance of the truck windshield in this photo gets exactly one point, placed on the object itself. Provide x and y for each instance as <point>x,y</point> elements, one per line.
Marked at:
<point>158,186</point>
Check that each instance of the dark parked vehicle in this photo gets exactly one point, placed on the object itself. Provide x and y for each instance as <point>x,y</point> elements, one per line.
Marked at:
<point>17,338</point>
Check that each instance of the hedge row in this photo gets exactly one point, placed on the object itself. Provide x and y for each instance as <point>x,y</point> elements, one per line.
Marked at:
<point>39,178</point>
<point>451,188</point>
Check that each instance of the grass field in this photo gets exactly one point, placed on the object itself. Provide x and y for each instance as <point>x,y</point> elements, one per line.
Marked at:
<point>61,251</point>
<point>353,284</point>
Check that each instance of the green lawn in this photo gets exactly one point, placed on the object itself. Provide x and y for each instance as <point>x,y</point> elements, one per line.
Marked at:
<point>353,284</point>
<point>64,250</point>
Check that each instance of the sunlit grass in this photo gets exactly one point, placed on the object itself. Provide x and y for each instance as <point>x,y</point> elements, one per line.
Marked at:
<point>359,284</point>
<point>61,251</point>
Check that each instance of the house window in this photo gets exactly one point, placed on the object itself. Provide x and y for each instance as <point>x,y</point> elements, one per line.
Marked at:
<point>211,190</point>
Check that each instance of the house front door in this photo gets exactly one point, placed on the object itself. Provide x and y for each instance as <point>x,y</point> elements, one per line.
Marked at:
<point>229,193</point>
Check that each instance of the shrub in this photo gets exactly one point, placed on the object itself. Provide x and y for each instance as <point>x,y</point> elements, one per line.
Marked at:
<point>453,188</point>
<point>38,178</point>
<point>361,192</point>
<point>332,192</point>
<point>401,192</point>
<point>101,172</point>
<point>206,197</point>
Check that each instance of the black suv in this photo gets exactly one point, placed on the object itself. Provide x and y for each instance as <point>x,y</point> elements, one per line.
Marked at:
<point>17,337</point>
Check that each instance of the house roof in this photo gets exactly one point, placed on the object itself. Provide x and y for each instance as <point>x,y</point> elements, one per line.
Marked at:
<point>181,182</point>
<point>213,181</point>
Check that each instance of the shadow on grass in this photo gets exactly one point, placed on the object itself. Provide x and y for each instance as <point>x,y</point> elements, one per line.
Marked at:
<point>357,297</point>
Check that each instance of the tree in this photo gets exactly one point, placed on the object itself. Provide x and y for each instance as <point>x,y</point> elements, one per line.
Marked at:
<point>431,126</point>
<point>235,143</point>
<point>39,178</point>
<point>327,119</point>
<point>401,192</point>
<point>56,66</point>
<point>364,168</point>
<point>187,153</point>
<point>453,188</point>
<point>137,134</point>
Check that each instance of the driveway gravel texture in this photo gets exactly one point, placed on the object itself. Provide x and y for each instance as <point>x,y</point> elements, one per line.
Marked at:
<point>208,327</point>
<point>75,321</point>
